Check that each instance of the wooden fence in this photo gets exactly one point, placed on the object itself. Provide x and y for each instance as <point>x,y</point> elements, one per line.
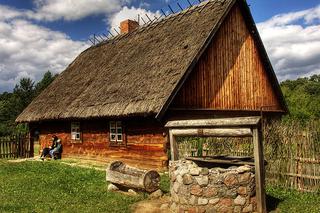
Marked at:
<point>17,146</point>
<point>292,150</point>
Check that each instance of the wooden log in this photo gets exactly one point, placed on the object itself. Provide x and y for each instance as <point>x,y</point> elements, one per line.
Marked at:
<point>0,148</point>
<point>259,171</point>
<point>173,146</point>
<point>219,161</point>
<point>130,177</point>
<point>219,122</point>
<point>296,175</point>
<point>218,132</point>
<point>6,150</point>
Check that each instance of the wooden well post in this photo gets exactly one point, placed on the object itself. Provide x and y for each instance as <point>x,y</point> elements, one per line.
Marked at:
<point>225,127</point>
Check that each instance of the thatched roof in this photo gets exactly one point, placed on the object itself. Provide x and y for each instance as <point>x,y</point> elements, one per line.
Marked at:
<point>134,74</point>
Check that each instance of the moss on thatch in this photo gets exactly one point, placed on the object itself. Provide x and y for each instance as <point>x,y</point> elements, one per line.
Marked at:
<point>130,75</point>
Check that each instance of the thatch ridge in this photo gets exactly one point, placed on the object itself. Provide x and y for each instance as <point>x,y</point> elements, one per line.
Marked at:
<point>132,75</point>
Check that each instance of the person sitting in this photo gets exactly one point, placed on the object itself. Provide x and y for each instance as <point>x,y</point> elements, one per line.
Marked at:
<point>56,149</point>
<point>46,150</point>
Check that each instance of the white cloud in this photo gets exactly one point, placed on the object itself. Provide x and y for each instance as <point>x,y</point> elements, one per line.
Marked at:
<point>293,42</point>
<point>144,5</point>
<point>51,10</point>
<point>8,13</point>
<point>29,50</point>
<point>70,10</point>
<point>131,13</point>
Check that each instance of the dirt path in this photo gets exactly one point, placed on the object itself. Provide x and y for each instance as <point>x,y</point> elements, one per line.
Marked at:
<point>152,206</point>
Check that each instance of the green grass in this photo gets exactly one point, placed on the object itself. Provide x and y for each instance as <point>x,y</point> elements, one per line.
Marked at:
<point>284,200</point>
<point>165,183</point>
<point>55,187</point>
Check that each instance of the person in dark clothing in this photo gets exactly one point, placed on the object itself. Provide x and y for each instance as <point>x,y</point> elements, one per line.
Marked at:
<point>55,148</point>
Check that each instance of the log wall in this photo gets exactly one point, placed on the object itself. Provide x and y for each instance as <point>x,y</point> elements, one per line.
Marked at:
<point>230,75</point>
<point>145,147</point>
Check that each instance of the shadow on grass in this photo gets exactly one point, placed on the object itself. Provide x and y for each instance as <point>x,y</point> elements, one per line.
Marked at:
<point>272,203</point>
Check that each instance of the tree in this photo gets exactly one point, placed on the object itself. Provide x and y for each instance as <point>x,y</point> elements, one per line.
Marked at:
<point>45,82</point>
<point>303,97</point>
<point>12,104</point>
<point>23,94</point>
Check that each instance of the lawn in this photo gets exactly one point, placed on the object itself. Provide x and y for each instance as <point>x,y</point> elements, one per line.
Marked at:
<point>283,200</point>
<point>52,186</point>
<point>55,187</point>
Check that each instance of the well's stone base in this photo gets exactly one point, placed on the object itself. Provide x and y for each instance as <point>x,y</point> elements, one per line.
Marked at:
<point>196,189</point>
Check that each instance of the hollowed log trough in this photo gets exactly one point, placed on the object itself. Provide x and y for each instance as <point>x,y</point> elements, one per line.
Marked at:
<point>123,175</point>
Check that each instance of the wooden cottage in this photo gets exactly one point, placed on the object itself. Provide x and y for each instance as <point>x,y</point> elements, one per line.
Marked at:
<point>113,100</point>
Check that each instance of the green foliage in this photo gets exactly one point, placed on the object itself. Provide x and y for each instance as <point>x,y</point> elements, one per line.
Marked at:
<point>12,104</point>
<point>165,183</point>
<point>303,97</point>
<point>56,187</point>
<point>284,200</point>
<point>23,94</point>
<point>45,82</point>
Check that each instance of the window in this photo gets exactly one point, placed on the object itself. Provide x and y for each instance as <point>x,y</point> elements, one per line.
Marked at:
<point>116,134</point>
<point>75,131</point>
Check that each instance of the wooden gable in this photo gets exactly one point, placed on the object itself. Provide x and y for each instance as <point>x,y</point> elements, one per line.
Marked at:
<point>230,75</point>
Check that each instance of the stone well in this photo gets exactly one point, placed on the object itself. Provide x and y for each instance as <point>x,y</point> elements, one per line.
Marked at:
<point>199,189</point>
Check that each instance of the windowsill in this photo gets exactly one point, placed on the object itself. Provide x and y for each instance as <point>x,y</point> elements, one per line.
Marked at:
<point>117,144</point>
<point>76,141</point>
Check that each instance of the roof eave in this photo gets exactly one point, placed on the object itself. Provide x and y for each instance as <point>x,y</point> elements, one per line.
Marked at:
<point>149,114</point>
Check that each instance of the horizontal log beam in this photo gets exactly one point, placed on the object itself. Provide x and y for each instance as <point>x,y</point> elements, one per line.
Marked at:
<point>219,122</point>
<point>296,175</point>
<point>299,159</point>
<point>218,132</point>
<point>231,162</point>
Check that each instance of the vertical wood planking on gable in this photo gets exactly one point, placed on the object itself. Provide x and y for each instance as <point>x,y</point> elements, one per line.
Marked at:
<point>230,74</point>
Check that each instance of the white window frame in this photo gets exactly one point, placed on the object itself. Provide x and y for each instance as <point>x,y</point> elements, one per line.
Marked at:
<point>116,132</point>
<point>75,131</point>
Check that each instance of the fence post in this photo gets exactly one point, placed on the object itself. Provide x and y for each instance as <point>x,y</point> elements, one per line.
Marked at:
<point>0,148</point>
<point>17,146</point>
<point>31,144</point>
<point>298,164</point>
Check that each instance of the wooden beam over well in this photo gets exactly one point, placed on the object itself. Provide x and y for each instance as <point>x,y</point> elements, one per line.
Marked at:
<point>217,122</point>
<point>217,132</point>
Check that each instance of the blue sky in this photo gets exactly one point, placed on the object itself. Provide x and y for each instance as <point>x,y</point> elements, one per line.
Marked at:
<point>41,35</point>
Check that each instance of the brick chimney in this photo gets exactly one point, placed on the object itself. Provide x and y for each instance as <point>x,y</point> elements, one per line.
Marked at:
<point>128,26</point>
